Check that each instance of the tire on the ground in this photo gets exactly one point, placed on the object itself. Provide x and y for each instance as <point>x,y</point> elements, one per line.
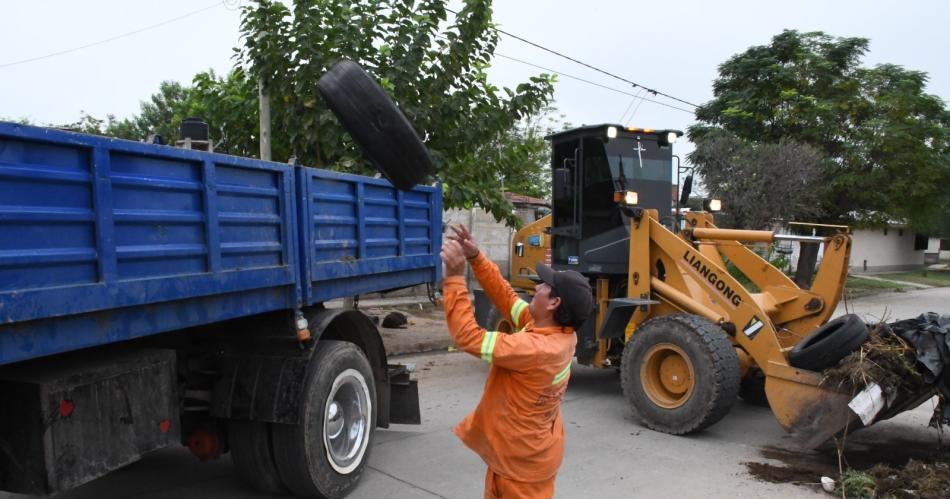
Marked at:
<point>253,456</point>
<point>496,322</point>
<point>301,450</point>
<point>752,389</point>
<point>715,366</point>
<point>829,343</point>
<point>383,133</point>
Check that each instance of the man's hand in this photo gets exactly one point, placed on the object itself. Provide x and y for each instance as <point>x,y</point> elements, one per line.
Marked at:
<point>465,239</point>
<point>453,258</point>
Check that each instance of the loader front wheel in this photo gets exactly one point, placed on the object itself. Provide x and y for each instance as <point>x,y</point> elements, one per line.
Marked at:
<point>680,373</point>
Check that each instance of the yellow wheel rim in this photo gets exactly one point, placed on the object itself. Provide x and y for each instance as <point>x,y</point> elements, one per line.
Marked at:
<point>667,375</point>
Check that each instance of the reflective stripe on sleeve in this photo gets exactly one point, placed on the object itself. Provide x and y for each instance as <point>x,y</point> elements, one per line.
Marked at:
<point>488,345</point>
<point>561,376</point>
<point>516,310</point>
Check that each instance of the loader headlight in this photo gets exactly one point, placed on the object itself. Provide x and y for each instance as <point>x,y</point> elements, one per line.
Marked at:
<point>713,205</point>
<point>628,198</point>
<point>670,137</point>
<point>611,132</point>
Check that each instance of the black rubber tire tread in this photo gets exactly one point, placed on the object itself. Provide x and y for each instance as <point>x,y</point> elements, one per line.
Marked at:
<point>377,125</point>
<point>752,389</point>
<point>829,343</point>
<point>298,449</point>
<point>253,456</point>
<point>715,366</point>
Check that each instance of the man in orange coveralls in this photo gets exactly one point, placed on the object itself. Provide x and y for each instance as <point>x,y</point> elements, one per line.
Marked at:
<point>516,428</point>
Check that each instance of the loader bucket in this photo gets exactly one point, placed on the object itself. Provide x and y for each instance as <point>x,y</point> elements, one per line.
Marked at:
<point>811,413</point>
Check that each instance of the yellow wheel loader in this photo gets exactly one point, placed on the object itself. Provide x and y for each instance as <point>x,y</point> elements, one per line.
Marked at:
<point>687,335</point>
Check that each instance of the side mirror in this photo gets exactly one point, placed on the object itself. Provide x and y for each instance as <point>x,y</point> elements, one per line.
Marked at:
<point>562,183</point>
<point>686,190</point>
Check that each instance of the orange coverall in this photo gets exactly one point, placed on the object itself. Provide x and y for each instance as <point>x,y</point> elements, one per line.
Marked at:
<point>516,428</point>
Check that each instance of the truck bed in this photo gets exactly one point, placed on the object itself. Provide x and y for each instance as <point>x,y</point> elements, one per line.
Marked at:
<point>104,240</point>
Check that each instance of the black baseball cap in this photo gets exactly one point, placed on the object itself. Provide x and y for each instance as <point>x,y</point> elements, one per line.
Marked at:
<point>572,288</point>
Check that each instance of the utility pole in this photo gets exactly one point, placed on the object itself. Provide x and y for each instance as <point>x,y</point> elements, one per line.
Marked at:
<point>264,98</point>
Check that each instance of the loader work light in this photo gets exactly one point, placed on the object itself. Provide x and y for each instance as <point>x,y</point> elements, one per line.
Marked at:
<point>611,132</point>
<point>628,198</point>
<point>713,204</point>
<point>671,137</point>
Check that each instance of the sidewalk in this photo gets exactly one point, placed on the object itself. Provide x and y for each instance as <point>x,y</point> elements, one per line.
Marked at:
<point>902,283</point>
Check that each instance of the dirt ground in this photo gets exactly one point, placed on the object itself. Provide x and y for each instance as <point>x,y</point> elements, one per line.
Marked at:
<point>424,332</point>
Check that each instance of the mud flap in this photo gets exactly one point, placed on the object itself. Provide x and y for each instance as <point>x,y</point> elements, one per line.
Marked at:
<point>404,396</point>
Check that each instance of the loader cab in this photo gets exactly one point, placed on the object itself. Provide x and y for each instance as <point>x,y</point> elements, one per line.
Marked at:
<point>589,164</point>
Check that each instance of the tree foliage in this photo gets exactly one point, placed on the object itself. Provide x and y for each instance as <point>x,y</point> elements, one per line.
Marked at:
<point>482,138</point>
<point>434,68</point>
<point>761,182</point>
<point>884,139</point>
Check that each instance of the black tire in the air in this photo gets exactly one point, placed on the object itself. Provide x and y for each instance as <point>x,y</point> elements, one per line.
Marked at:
<point>829,343</point>
<point>715,383</point>
<point>300,450</point>
<point>752,389</point>
<point>253,456</point>
<point>380,129</point>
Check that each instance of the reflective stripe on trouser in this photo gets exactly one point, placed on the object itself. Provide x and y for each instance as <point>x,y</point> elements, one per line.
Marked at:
<point>561,376</point>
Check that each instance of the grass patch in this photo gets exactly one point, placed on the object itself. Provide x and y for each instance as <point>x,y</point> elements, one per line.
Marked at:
<point>861,284</point>
<point>928,277</point>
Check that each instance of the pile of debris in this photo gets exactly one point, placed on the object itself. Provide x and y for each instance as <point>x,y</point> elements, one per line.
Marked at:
<point>917,480</point>
<point>900,364</point>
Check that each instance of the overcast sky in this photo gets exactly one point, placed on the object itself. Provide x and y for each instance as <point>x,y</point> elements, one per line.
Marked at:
<point>672,46</point>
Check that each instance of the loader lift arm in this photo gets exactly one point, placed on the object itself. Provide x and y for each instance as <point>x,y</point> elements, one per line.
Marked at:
<point>684,279</point>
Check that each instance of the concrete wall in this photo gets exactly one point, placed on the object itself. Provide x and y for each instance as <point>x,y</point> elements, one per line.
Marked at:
<point>884,250</point>
<point>494,238</point>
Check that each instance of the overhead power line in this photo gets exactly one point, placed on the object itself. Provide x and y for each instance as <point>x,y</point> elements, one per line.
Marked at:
<point>582,63</point>
<point>114,38</point>
<point>624,92</point>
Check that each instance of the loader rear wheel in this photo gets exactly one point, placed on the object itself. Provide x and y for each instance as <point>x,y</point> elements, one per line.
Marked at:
<point>752,389</point>
<point>371,117</point>
<point>680,373</point>
<point>829,343</point>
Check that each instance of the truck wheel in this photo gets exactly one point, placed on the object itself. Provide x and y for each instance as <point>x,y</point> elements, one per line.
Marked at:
<point>680,373</point>
<point>253,457</point>
<point>829,343</point>
<point>324,455</point>
<point>752,389</point>
<point>383,133</point>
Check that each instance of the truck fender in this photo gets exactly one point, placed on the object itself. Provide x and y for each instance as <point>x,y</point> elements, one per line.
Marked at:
<point>265,384</point>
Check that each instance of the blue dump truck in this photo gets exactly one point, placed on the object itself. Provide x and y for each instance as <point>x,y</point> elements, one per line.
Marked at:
<point>154,296</point>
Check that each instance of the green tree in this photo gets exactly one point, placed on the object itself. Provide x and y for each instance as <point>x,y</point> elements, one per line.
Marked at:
<point>434,68</point>
<point>761,182</point>
<point>884,139</point>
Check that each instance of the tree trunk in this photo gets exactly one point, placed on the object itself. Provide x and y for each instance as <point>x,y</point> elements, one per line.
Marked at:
<point>807,258</point>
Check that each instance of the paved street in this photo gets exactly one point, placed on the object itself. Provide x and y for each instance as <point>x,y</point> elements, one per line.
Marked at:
<point>609,455</point>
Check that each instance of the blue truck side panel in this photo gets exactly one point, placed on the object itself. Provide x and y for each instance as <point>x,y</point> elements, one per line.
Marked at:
<point>104,240</point>
<point>363,235</point>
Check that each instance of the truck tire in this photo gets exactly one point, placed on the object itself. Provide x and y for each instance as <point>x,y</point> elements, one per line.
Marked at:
<point>253,456</point>
<point>383,133</point>
<point>752,389</point>
<point>829,343</point>
<point>680,373</point>
<point>324,455</point>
